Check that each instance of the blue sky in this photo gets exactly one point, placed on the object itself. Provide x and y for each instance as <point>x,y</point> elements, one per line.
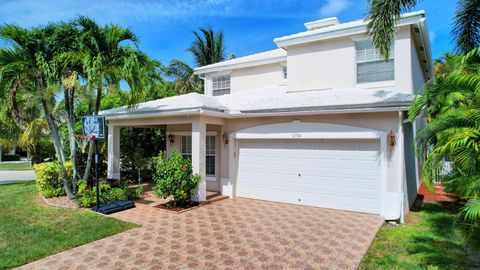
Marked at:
<point>165,26</point>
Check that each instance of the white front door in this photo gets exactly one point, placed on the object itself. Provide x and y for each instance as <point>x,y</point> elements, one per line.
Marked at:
<point>338,174</point>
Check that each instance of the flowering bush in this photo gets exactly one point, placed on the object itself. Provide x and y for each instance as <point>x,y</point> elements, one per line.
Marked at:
<point>174,178</point>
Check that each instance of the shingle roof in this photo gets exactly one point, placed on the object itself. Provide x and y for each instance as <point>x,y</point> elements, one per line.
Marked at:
<point>280,99</point>
<point>272,99</point>
<point>192,101</point>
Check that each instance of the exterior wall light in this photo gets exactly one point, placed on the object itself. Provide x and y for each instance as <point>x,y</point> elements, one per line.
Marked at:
<point>391,140</point>
<point>225,138</point>
<point>171,139</point>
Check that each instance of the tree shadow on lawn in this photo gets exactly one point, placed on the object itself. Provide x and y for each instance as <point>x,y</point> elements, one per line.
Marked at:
<point>442,240</point>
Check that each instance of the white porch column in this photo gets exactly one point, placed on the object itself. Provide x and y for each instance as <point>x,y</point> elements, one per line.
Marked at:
<point>199,130</point>
<point>113,171</point>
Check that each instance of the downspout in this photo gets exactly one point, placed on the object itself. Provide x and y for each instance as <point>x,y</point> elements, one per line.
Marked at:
<point>401,166</point>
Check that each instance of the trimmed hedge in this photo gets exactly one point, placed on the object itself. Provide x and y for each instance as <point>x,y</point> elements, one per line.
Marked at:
<point>48,179</point>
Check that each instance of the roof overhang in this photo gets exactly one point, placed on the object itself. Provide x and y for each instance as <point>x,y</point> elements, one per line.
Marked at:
<point>266,61</point>
<point>341,30</point>
<point>320,110</point>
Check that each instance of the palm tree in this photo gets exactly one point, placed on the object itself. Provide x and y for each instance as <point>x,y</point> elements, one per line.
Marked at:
<point>207,47</point>
<point>183,78</point>
<point>452,105</point>
<point>107,57</point>
<point>383,16</point>
<point>33,137</point>
<point>68,65</point>
<point>27,65</point>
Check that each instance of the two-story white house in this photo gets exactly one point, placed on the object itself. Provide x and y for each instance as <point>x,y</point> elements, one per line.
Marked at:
<point>319,121</point>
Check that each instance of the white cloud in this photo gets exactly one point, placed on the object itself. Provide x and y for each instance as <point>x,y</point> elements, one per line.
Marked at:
<point>432,36</point>
<point>334,7</point>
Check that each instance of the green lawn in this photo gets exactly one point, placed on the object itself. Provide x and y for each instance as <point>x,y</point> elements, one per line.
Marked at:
<point>20,166</point>
<point>30,230</point>
<point>433,238</point>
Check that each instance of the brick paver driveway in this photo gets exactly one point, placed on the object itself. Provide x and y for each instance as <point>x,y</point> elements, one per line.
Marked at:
<point>228,234</point>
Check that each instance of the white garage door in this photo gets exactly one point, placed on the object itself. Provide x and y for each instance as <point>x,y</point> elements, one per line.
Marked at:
<point>335,174</point>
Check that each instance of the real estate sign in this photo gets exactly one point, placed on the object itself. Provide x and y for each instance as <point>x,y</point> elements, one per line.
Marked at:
<point>94,126</point>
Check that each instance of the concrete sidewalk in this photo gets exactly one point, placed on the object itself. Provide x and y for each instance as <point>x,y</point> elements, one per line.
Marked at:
<point>15,176</point>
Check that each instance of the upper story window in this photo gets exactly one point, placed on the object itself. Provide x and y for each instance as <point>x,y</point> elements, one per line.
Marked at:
<point>284,73</point>
<point>221,85</point>
<point>371,65</point>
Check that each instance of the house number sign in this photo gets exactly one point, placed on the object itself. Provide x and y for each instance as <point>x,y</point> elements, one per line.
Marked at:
<point>296,135</point>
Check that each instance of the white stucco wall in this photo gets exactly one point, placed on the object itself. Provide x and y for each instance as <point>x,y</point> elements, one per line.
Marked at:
<point>249,78</point>
<point>331,64</point>
<point>256,77</point>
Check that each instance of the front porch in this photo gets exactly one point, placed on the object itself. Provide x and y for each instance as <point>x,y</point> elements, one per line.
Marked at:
<point>200,138</point>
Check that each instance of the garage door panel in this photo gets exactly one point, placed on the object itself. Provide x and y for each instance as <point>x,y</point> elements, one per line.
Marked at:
<point>327,173</point>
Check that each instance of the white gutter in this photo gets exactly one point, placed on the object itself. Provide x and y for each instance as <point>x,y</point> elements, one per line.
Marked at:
<point>226,66</point>
<point>422,25</point>
<point>237,114</point>
<point>153,114</point>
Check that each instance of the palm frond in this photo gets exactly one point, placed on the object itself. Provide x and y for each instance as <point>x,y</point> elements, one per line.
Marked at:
<point>466,28</point>
<point>383,16</point>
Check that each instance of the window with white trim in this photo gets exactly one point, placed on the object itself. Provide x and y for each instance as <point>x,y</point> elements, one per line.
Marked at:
<point>210,155</point>
<point>221,85</point>
<point>187,147</point>
<point>371,65</point>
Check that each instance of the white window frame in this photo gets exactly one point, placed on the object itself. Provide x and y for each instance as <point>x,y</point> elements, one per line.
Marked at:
<point>185,152</point>
<point>221,87</point>
<point>211,153</point>
<point>377,58</point>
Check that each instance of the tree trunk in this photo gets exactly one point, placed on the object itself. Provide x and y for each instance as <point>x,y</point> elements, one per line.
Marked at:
<point>58,149</point>
<point>13,98</point>
<point>91,149</point>
<point>69,97</point>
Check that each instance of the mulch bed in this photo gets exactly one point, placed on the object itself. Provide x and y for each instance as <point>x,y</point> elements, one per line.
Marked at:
<point>439,195</point>
<point>178,208</point>
<point>63,202</point>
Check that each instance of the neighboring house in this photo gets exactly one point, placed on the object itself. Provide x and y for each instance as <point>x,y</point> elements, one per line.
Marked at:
<point>320,121</point>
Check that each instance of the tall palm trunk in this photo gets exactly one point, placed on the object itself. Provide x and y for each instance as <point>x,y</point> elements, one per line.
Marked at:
<point>69,98</point>
<point>58,148</point>
<point>91,149</point>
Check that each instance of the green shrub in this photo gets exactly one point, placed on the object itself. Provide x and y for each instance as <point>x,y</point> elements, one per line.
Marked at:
<point>87,197</point>
<point>174,178</point>
<point>48,180</point>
